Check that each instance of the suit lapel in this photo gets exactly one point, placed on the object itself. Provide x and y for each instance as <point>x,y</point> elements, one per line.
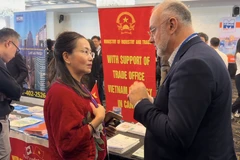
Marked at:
<point>100,52</point>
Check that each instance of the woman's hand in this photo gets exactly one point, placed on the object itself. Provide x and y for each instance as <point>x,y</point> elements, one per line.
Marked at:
<point>99,112</point>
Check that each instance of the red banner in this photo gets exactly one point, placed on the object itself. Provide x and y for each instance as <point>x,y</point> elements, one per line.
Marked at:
<point>127,55</point>
<point>28,151</point>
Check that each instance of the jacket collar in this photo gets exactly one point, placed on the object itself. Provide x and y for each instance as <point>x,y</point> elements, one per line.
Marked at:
<point>182,50</point>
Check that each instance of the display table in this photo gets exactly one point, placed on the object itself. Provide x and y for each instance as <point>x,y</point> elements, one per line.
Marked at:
<point>27,147</point>
<point>128,155</point>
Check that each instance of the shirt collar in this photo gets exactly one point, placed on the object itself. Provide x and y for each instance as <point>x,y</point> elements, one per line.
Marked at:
<point>99,47</point>
<point>2,63</point>
<point>173,55</point>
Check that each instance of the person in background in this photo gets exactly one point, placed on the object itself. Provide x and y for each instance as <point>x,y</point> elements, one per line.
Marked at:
<point>50,46</point>
<point>53,43</point>
<point>9,88</point>
<point>18,69</point>
<point>190,119</point>
<point>97,42</point>
<point>214,43</point>
<point>91,78</point>
<point>162,66</point>
<point>236,104</point>
<point>72,117</point>
<point>203,36</point>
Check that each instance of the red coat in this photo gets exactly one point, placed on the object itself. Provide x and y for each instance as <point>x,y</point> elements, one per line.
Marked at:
<point>69,137</point>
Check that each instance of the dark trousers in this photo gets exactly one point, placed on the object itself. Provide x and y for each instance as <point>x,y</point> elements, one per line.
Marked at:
<point>236,104</point>
<point>100,89</point>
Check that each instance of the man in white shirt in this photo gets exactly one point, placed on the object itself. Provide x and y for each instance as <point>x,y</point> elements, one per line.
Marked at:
<point>215,42</point>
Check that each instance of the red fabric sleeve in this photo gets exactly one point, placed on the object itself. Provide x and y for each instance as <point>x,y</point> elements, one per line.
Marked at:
<point>66,116</point>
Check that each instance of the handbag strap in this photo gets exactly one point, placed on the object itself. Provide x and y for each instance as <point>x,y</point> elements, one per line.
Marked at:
<point>91,96</point>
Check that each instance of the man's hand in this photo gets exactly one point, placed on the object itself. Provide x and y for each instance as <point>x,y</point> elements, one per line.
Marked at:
<point>137,92</point>
<point>151,99</point>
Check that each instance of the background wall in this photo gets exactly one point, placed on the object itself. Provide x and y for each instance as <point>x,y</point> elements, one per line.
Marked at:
<point>53,25</point>
<point>205,19</point>
<point>86,24</point>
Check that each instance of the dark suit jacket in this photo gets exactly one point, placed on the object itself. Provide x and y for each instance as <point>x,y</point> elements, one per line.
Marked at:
<point>10,88</point>
<point>191,115</point>
<point>49,56</point>
<point>100,64</point>
<point>93,76</point>
<point>18,69</point>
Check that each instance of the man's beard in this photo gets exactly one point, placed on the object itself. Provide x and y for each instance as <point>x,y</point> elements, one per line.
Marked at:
<point>161,48</point>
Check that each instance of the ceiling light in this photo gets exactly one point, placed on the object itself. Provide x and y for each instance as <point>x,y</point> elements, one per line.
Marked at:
<point>71,1</point>
<point>50,2</point>
<point>28,5</point>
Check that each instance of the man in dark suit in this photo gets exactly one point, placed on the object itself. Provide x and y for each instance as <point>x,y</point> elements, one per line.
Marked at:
<point>9,88</point>
<point>18,68</point>
<point>190,118</point>
<point>97,42</point>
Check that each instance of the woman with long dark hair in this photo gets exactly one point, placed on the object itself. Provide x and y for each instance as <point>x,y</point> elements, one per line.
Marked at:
<point>73,119</point>
<point>236,104</point>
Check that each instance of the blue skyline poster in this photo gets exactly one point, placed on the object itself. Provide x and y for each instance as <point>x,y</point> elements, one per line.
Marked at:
<point>32,28</point>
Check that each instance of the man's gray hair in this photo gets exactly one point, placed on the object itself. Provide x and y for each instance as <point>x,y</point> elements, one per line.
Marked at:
<point>6,33</point>
<point>178,9</point>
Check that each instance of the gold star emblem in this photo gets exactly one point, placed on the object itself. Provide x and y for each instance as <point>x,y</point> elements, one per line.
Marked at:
<point>94,95</point>
<point>125,19</point>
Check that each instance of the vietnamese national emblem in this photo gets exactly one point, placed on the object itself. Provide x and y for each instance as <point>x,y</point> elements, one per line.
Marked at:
<point>126,23</point>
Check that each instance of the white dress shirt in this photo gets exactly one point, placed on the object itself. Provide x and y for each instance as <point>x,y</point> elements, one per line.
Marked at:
<point>238,63</point>
<point>173,55</point>
<point>223,56</point>
<point>98,50</point>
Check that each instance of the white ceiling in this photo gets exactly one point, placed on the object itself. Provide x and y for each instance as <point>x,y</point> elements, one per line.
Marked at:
<point>55,2</point>
<point>212,3</point>
<point>90,5</point>
<point>47,3</point>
